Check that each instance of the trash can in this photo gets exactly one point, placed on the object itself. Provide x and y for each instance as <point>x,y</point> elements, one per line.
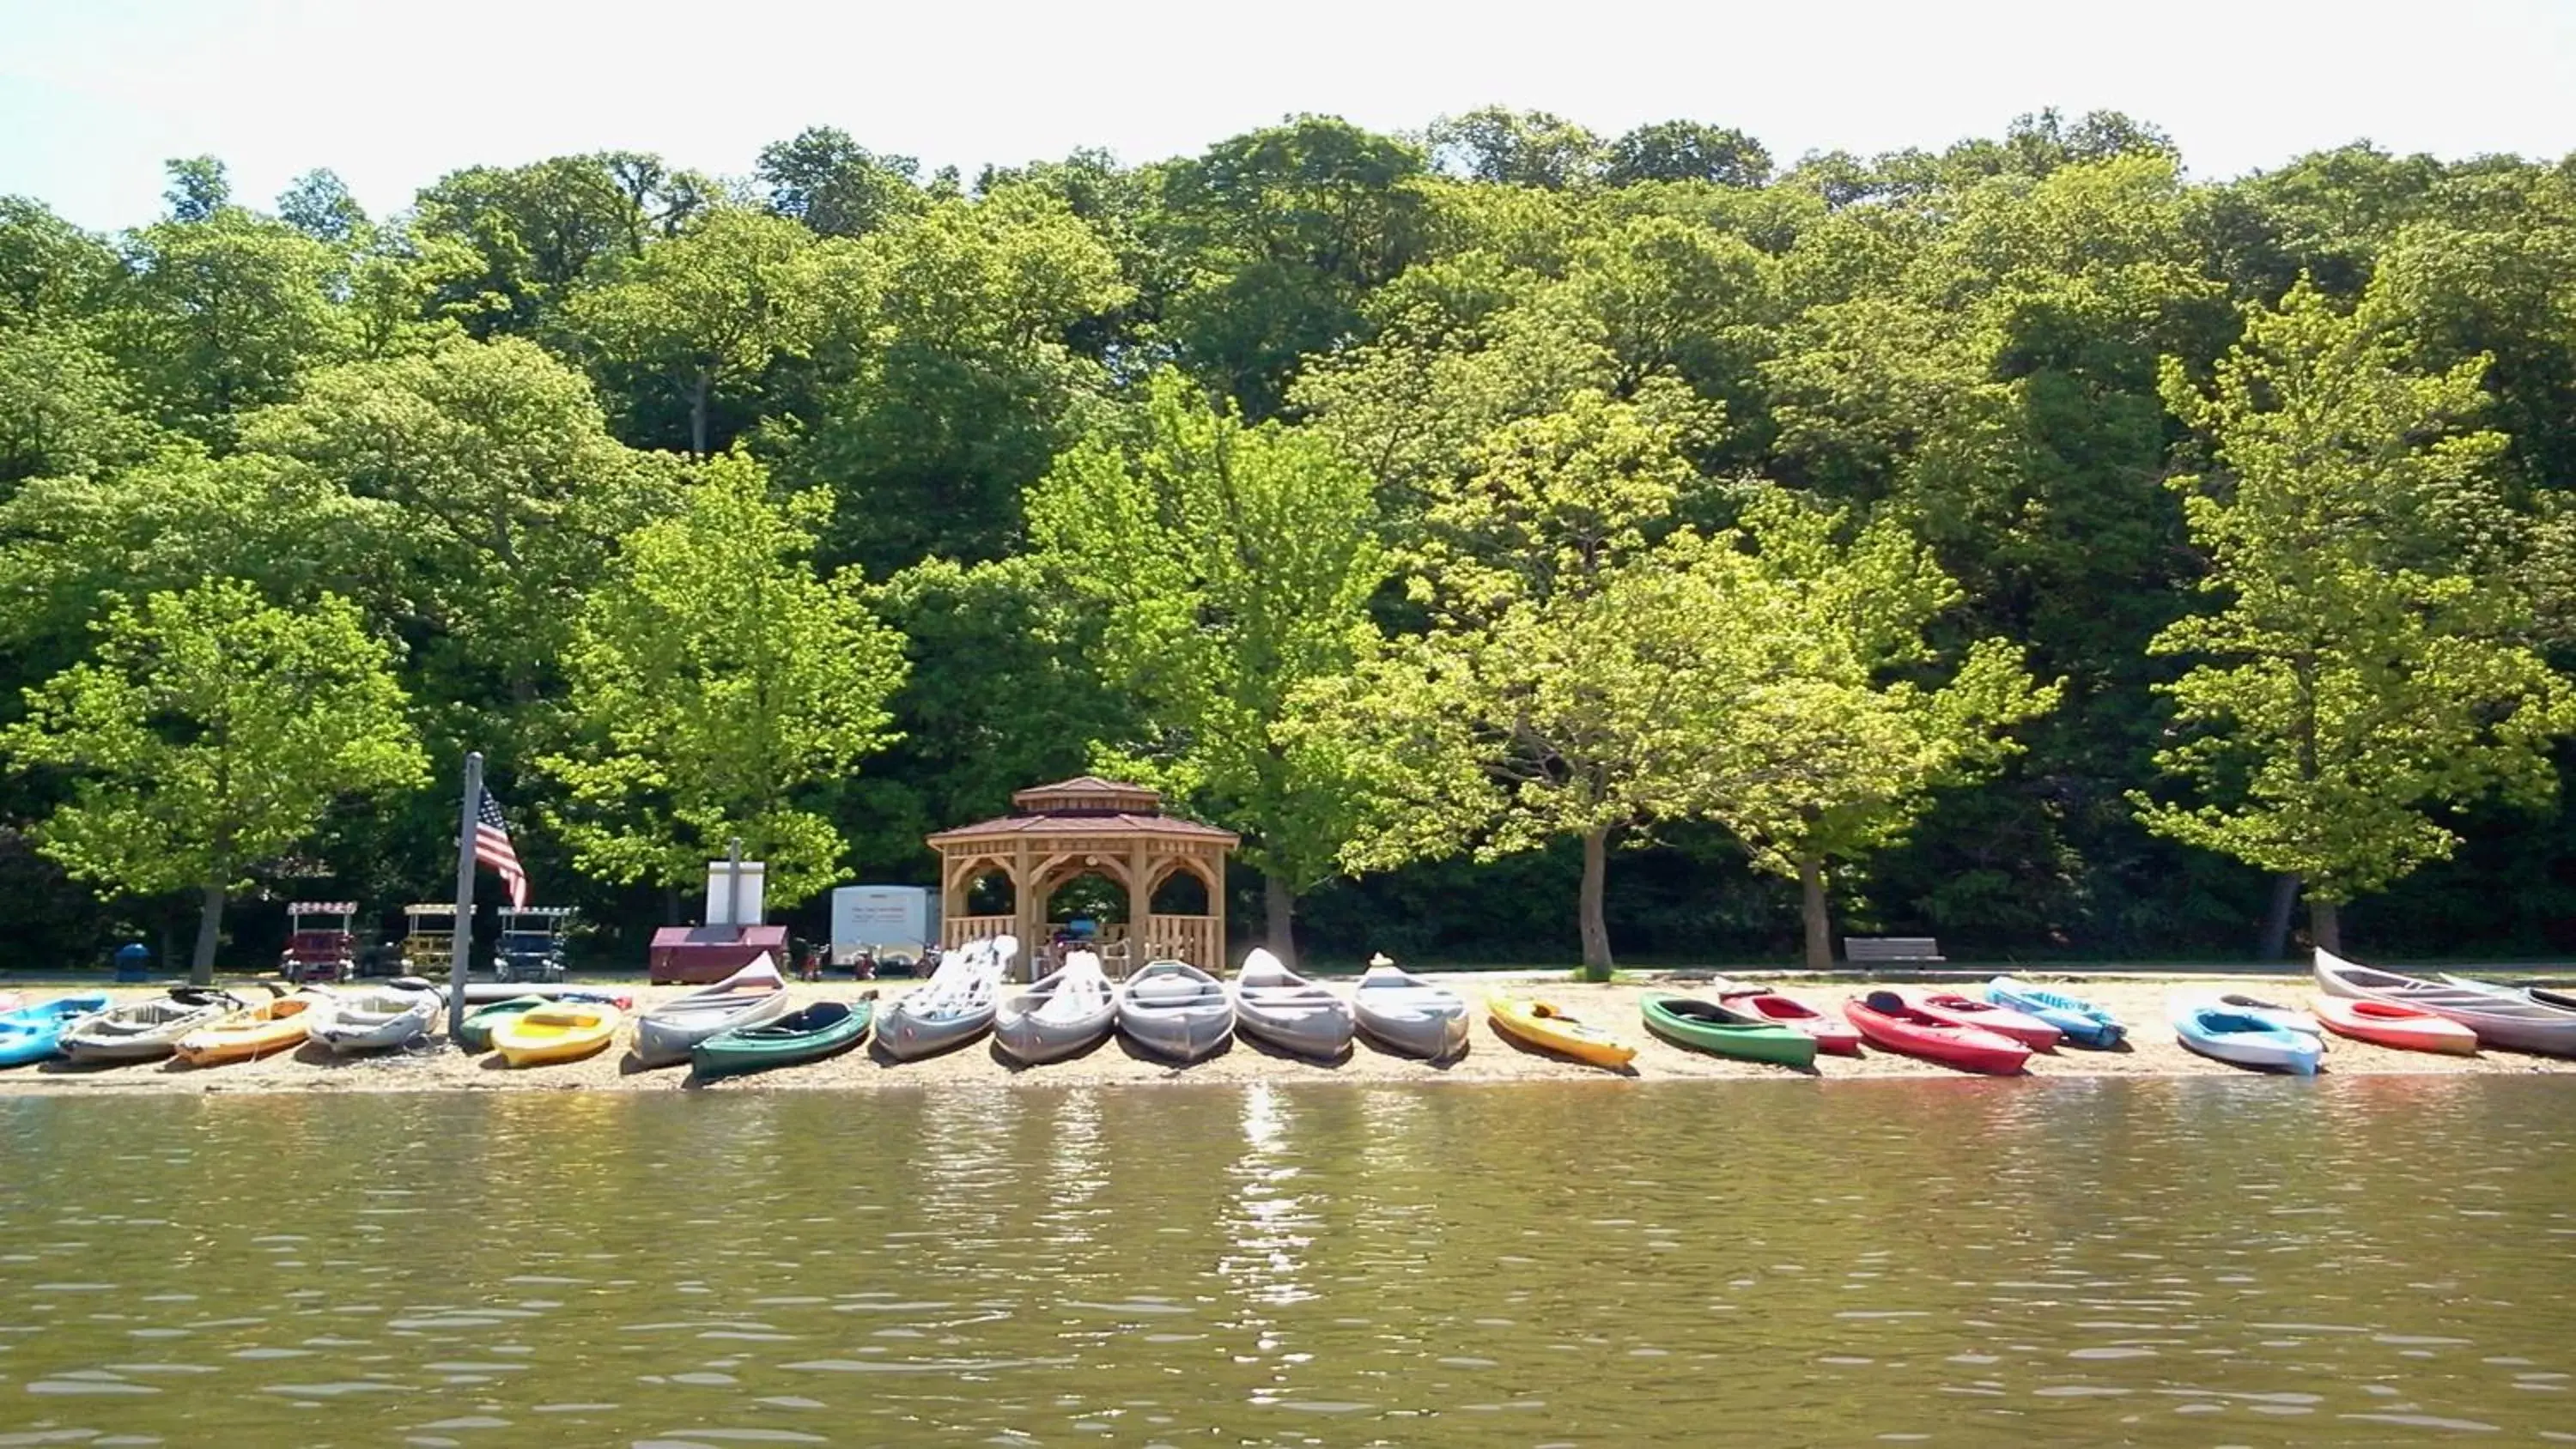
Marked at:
<point>133,962</point>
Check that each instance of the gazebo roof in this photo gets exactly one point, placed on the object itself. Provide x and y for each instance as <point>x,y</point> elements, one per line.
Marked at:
<point>1086,805</point>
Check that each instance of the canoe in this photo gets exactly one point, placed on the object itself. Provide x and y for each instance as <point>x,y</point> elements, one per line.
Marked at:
<point>2082,1022</point>
<point>1839,1037</point>
<point>954,1007</point>
<point>142,1031</point>
<point>33,1033</point>
<point>377,1018</point>
<point>260,1030</point>
<point>1062,1013</point>
<point>665,1035</point>
<point>2564,1001</point>
<point>1174,1010</point>
<point>1709,1027</point>
<point>1409,1014</point>
<point>1886,1019</point>
<point>2506,1019</point>
<point>1542,1024</point>
<point>1290,1011</point>
<point>807,1034</point>
<point>2225,1034</point>
<point>1958,1010</point>
<point>558,1031</point>
<point>2404,1027</point>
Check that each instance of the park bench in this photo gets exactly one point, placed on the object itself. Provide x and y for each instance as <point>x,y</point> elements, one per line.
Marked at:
<point>1857,949</point>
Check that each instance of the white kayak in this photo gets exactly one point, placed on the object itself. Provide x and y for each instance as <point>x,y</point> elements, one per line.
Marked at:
<point>665,1035</point>
<point>141,1031</point>
<point>1288,1010</point>
<point>1058,1015</point>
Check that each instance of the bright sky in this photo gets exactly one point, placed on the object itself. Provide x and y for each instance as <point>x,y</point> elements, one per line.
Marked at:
<point>94,94</point>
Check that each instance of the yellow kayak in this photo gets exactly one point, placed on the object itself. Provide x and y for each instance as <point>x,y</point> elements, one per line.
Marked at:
<point>564,1031</point>
<point>1541,1024</point>
<point>254,1031</point>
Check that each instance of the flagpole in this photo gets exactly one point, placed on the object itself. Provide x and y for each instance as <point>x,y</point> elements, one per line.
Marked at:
<point>464,894</point>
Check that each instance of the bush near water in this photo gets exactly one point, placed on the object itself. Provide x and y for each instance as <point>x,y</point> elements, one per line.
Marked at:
<point>1956,541</point>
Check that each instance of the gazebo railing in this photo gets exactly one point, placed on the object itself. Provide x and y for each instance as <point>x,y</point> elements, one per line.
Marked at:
<point>956,931</point>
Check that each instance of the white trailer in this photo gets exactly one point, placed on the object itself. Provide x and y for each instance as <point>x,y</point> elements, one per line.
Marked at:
<point>893,922</point>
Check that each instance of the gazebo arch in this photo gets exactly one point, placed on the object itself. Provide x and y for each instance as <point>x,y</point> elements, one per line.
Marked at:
<point>1087,825</point>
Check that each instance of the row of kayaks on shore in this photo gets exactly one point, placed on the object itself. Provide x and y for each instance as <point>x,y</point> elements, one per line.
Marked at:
<point>1174,1011</point>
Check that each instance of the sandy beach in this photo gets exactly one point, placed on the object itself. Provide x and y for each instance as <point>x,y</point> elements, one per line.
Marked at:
<point>1490,1057</point>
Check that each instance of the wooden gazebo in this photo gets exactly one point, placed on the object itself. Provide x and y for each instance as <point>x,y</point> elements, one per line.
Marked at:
<point>1081,826</point>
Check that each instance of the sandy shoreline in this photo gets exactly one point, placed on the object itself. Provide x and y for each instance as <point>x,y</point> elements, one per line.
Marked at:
<point>1490,1057</point>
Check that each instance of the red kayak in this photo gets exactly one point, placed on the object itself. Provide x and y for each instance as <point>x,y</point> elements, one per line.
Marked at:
<point>1887,1021</point>
<point>1788,1011</point>
<point>2385,1023</point>
<point>1957,1010</point>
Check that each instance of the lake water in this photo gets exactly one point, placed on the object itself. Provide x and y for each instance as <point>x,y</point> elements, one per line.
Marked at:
<point>2257,1261</point>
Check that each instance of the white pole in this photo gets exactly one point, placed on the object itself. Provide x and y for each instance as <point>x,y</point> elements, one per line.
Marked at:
<point>465,822</point>
<point>733,887</point>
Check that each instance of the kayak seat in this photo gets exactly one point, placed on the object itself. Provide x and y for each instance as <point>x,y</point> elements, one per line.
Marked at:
<point>1884,1001</point>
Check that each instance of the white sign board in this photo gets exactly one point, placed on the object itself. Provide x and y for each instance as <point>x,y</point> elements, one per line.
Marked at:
<point>898,920</point>
<point>721,897</point>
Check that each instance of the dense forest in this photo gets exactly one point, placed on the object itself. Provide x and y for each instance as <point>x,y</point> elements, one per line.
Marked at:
<point>1533,543</point>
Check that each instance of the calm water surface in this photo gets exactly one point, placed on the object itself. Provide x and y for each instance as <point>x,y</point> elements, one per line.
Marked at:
<point>2356,1261</point>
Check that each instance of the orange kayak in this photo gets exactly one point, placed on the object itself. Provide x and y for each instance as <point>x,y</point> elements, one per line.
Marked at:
<point>2385,1023</point>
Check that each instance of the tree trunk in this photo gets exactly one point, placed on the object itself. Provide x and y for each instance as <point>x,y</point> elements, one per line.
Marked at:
<point>210,925</point>
<point>1279,912</point>
<point>1595,925</point>
<point>2325,925</point>
<point>2276,921</point>
<point>1812,908</point>
<point>698,414</point>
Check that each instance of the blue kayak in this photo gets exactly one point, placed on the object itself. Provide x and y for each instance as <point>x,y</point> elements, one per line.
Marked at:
<point>2228,1035</point>
<point>33,1033</point>
<point>2084,1023</point>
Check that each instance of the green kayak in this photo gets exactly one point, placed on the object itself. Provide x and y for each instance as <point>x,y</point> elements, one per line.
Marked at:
<point>1690,1022</point>
<point>816,1032</point>
<point>475,1032</point>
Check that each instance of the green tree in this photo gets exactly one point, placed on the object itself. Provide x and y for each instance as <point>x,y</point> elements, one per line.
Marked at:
<point>211,733</point>
<point>225,311</point>
<point>510,494</point>
<point>1235,565</point>
<point>715,681</point>
<point>2368,664</point>
<point>711,307</point>
<point>1575,655</point>
<point>1836,743</point>
<point>1687,151</point>
<point>835,186</point>
<point>1503,147</point>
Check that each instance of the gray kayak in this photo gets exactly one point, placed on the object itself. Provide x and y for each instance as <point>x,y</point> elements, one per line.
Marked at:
<point>2500,1016</point>
<point>752,996</point>
<point>1405,1013</point>
<point>377,1018</point>
<point>1175,1010</point>
<point>1059,1015</point>
<point>1288,1010</point>
<point>954,1007</point>
<point>140,1031</point>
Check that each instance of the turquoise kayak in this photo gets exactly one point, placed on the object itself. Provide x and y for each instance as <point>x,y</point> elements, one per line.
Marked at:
<point>33,1033</point>
<point>2084,1023</point>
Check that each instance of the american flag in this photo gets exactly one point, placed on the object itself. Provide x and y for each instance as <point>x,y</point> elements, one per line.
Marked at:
<point>492,847</point>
